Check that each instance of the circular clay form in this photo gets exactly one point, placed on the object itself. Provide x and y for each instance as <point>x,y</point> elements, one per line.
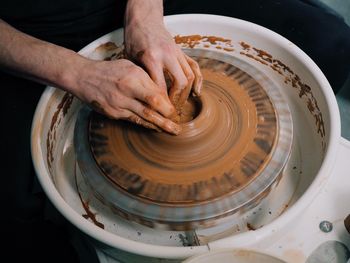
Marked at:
<point>235,140</point>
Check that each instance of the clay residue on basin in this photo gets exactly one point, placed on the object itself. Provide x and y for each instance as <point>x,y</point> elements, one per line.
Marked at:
<point>290,77</point>
<point>266,59</point>
<point>61,111</point>
<point>192,41</point>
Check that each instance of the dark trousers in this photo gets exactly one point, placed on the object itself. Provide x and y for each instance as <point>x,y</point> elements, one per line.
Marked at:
<point>321,34</point>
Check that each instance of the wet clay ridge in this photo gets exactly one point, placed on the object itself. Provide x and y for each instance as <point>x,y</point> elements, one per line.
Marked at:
<point>218,153</point>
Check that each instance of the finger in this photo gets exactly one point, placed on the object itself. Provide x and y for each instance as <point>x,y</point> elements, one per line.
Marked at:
<point>198,78</point>
<point>125,114</point>
<point>163,80</point>
<point>132,117</point>
<point>157,75</point>
<point>142,88</point>
<point>154,98</point>
<point>154,67</point>
<point>153,117</point>
<point>190,79</point>
<point>180,83</point>
<point>168,79</point>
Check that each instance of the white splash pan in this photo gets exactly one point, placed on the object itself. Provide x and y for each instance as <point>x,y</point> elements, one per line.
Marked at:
<point>313,155</point>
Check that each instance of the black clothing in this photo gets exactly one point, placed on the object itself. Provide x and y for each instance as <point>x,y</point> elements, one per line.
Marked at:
<point>69,23</point>
<point>29,235</point>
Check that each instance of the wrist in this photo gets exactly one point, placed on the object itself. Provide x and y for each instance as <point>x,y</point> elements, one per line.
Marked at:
<point>140,12</point>
<point>69,77</point>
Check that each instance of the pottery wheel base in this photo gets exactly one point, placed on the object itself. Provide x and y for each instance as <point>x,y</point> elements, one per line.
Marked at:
<point>224,160</point>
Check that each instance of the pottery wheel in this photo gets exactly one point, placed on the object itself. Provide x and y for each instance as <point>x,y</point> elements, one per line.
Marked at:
<point>227,143</point>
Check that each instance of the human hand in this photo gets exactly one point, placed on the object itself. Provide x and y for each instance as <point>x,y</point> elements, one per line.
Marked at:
<point>148,42</point>
<point>118,88</point>
<point>122,90</point>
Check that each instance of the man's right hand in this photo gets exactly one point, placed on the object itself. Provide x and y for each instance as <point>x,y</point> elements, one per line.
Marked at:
<point>122,90</point>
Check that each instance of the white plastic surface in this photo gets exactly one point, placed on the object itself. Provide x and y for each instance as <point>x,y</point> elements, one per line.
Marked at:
<point>316,167</point>
<point>331,204</point>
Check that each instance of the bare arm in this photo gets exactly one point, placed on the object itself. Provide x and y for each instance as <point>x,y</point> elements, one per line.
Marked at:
<point>148,42</point>
<point>119,89</point>
<point>31,58</point>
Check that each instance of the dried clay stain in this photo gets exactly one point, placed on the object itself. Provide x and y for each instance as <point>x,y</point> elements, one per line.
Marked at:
<point>89,214</point>
<point>250,227</point>
<point>192,41</point>
<point>289,77</point>
<point>112,51</point>
<point>62,107</point>
<point>244,45</point>
<point>108,46</point>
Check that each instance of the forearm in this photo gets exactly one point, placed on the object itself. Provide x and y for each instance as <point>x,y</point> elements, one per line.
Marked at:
<point>140,11</point>
<point>118,89</point>
<point>26,56</point>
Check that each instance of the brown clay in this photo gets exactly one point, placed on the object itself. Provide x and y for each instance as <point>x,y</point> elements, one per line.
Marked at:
<point>227,138</point>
